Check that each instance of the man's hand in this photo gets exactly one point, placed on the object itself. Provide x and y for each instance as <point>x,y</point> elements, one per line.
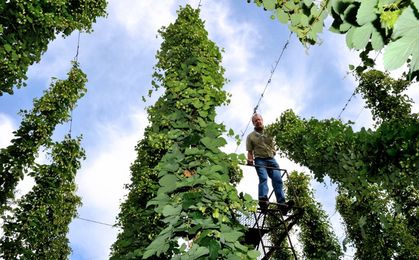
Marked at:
<point>250,162</point>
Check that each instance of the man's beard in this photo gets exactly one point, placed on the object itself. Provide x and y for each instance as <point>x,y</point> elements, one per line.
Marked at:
<point>259,128</point>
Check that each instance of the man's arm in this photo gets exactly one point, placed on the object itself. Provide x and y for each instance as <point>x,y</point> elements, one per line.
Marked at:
<point>250,158</point>
<point>249,149</point>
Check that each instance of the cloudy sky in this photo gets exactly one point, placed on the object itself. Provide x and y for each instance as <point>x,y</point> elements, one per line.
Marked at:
<point>118,58</point>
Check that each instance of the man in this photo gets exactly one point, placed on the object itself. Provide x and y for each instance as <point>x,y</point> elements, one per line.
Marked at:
<point>260,153</point>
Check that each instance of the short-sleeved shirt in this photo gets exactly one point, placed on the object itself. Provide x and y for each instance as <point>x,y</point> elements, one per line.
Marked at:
<point>262,145</point>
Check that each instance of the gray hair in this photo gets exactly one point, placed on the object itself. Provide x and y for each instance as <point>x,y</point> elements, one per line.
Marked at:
<point>255,115</point>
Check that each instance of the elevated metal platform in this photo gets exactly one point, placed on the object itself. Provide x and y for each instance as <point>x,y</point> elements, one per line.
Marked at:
<point>259,228</point>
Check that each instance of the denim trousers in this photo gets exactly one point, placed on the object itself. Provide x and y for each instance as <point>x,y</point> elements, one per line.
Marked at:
<point>269,167</point>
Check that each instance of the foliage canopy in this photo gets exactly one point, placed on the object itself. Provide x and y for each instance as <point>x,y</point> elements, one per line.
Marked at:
<point>391,26</point>
<point>26,28</point>
<point>36,129</point>
<point>191,181</point>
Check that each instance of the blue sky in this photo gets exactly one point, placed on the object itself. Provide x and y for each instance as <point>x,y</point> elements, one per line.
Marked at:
<point>118,58</point>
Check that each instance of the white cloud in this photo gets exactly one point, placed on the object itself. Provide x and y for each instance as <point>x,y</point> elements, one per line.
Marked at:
<point>6,130</point>
<point>101,182</point>
<point>238,38</point>
<point>56,62</point>
<point>142,19</point>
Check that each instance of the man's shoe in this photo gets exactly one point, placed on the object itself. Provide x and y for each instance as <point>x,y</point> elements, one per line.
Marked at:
<point>284,208</point>
<point>263,204</point>
<point>290,203</point>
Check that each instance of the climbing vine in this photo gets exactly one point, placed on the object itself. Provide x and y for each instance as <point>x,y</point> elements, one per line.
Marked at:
<point>385,159</point>
<point>317,237</point>
<point>192,183</point>
<point>37,228</point>
<point>36,129</point>
<point>377,232</point>
<point>140,224</point>
<point>26,28</point>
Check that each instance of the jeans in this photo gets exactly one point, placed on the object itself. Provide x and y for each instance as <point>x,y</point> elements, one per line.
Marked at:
<point>264,169</point>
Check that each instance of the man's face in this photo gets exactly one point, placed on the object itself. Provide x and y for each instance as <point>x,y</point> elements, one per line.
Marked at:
<point>257,121</point>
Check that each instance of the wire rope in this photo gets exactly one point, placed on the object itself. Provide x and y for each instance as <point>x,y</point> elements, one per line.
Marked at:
<point>75,60</point>
<point>95,221</point>
<point>266,86</point>
<point>354,92</point>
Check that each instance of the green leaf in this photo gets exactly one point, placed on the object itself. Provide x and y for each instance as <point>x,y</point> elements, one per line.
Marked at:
<point>159,199</point>
<point>197,251</point>
<point>158,244</point>
<point>406,24</point>
<point>397,52</point>
<point>194,163</point>
<point>169,210</point>
<point>220,142</point>
<point>366,12</point>
<point>361,36</point>
<point>304,22</point>
<point>317,26</point>
<point>214,248</point>
<point>217,168</point>
<point>170,167</point>
<point>344,27</point>
<point>296,19</point>
<point>213,143</point>
<point>231,236</point>
<point>269,4</point>
<point>282,16</point>
<point>253,254</point>
<point>240,246</point>
<point>7,47</point>
<point>193,151</point>
<point>15,56</point>
<point>349,37</point>
<point>377,41</point>
<point>207,141</point>
<point>168,180</point>
<point>230,132</point>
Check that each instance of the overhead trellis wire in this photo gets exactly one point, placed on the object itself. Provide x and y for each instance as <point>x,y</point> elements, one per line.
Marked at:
<point>347,103</point>
<point>78,47</point>
<point>96,222</point>
<point>272,73</point>
<point>353,93</point>
<point>75,60</point>
<point>323,7</point>
<point>266,85</point>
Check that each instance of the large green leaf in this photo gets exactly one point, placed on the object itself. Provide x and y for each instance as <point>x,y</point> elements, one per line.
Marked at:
<point>253,254</point>
<point>168,180</point>
<point>349,37</point>
<point>231,236</point>
<point>406,33</point>
<point>366,12</point>
<point>158,244</point>
<point>269,4</point>
<point>377,40</point>
<point>197,251</point>
<point>169,210</point>
<point>361,36</point>
<point>282,16</point>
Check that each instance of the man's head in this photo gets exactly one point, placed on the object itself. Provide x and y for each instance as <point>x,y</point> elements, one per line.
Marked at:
<point>257,121</point>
